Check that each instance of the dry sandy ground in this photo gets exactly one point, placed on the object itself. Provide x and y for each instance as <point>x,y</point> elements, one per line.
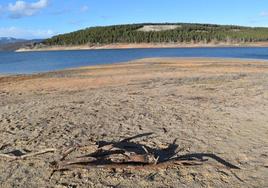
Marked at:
<point>211,106</point>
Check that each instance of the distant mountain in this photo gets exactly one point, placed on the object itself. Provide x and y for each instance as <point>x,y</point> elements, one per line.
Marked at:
<point>9,40</point>
<point>12,44</point>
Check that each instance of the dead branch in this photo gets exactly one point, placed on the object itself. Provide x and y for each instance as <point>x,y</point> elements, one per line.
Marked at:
<point>133,158</point>
<point>66,163</point>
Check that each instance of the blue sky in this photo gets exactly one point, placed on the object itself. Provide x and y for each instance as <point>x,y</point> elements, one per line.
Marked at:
<point>45,18</point>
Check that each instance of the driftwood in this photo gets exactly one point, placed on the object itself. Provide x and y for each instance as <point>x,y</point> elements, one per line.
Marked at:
<point>126,153</point>
<point>122,153</point>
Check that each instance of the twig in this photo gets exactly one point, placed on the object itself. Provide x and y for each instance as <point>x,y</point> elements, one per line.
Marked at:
<point>156,160</point>
<point>67,152</point>
<point>144,148</point>
<point>135,137</point>
<point>8,156</point>
<point>72,149</point>
<point>27,155</point>
<point>237,177</point>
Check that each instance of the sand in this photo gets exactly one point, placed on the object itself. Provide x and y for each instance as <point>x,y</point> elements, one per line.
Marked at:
<point>212,106</point>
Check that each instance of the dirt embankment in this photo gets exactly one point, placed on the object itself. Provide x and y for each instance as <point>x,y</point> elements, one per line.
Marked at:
<point>216,109</point>
<point>143,45</point>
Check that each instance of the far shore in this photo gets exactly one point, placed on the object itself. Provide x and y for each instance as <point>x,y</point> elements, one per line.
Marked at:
<point>143,45</point>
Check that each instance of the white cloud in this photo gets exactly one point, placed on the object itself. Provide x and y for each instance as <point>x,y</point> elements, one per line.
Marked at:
<point>22,8</point>
<point>264,14</point>
<point>84,8</point>
<point>25,33</point>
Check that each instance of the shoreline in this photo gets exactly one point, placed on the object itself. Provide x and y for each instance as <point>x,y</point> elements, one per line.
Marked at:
<point>144,46</point>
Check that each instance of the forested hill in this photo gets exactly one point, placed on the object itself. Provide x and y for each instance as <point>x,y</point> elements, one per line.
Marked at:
<point>161,33</point>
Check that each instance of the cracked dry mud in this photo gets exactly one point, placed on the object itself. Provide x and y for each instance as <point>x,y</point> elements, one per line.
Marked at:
<point>211,106</point>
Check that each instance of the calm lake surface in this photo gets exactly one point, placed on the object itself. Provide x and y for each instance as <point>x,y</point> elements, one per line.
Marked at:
<point>35,62</point>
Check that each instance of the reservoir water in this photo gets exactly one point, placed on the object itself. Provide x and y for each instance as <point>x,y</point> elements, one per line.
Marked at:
<point>36,62</point>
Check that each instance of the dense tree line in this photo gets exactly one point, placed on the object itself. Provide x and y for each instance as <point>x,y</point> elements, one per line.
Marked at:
<point>184,33</point>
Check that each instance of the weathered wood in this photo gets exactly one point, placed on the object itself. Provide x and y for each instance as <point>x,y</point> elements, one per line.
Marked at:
<point>133,158</point>
<point>130,154</point>
<point>82,160</point>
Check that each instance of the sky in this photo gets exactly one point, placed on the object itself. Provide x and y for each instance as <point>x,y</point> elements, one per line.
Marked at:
<point>34,19</point>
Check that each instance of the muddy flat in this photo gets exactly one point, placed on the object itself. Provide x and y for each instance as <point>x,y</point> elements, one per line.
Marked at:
<point>213,107</point>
